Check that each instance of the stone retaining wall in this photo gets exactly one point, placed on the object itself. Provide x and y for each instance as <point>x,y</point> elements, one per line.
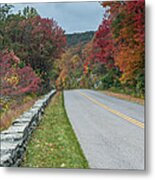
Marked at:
<point>13,140</point>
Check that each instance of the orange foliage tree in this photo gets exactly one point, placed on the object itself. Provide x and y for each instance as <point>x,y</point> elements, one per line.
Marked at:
<point>128,29</point>
<point>119,44</point>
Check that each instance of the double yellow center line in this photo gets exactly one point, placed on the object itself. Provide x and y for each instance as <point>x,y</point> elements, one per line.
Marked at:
<point>125,117</point>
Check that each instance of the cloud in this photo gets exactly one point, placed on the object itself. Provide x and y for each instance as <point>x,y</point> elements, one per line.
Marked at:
<point>73,17</point>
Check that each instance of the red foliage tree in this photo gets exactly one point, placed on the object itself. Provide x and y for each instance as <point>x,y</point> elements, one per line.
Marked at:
<point>103,44</point>
<point>16,80</point>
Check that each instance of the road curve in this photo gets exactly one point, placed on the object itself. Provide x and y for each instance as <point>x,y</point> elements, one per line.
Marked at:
<point>109,130</point>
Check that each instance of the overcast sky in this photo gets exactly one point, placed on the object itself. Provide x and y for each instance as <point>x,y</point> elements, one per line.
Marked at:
<point>72,17</point>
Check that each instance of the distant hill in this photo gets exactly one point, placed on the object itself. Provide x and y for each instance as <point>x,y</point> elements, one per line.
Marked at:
<point>76,38</point>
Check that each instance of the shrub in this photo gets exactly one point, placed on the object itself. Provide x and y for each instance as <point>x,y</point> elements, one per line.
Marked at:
<point>16,80</point>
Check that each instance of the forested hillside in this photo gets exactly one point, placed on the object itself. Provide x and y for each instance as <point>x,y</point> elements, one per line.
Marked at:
<point>76,38</point>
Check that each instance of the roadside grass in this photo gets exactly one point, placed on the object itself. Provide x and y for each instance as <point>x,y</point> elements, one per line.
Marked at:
<point>54,144</point>
<point>124,97</point>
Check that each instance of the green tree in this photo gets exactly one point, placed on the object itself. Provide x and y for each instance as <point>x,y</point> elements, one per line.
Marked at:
<point>29,12</point>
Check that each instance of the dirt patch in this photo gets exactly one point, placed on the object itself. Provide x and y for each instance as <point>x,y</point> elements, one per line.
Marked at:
<point>13,113</point>
<point>125,97</point>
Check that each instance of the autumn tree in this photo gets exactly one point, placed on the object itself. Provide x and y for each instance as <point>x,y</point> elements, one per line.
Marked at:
<point>70,68</point>
<point>127,26</point>
<point>44,41</point>
<point>99,58</point>
<point>16,79</point>
<point>37,41</point>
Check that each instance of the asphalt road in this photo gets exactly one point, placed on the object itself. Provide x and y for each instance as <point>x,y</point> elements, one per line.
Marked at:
<point>109,130</point>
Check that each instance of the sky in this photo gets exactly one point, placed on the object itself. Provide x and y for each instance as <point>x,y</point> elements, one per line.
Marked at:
<point>72,17</point>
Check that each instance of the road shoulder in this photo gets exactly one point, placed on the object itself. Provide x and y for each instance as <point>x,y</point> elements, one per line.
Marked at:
<point>124,97</point>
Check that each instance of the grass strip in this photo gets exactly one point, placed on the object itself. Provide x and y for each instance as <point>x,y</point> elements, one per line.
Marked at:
<point>54,144</point>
